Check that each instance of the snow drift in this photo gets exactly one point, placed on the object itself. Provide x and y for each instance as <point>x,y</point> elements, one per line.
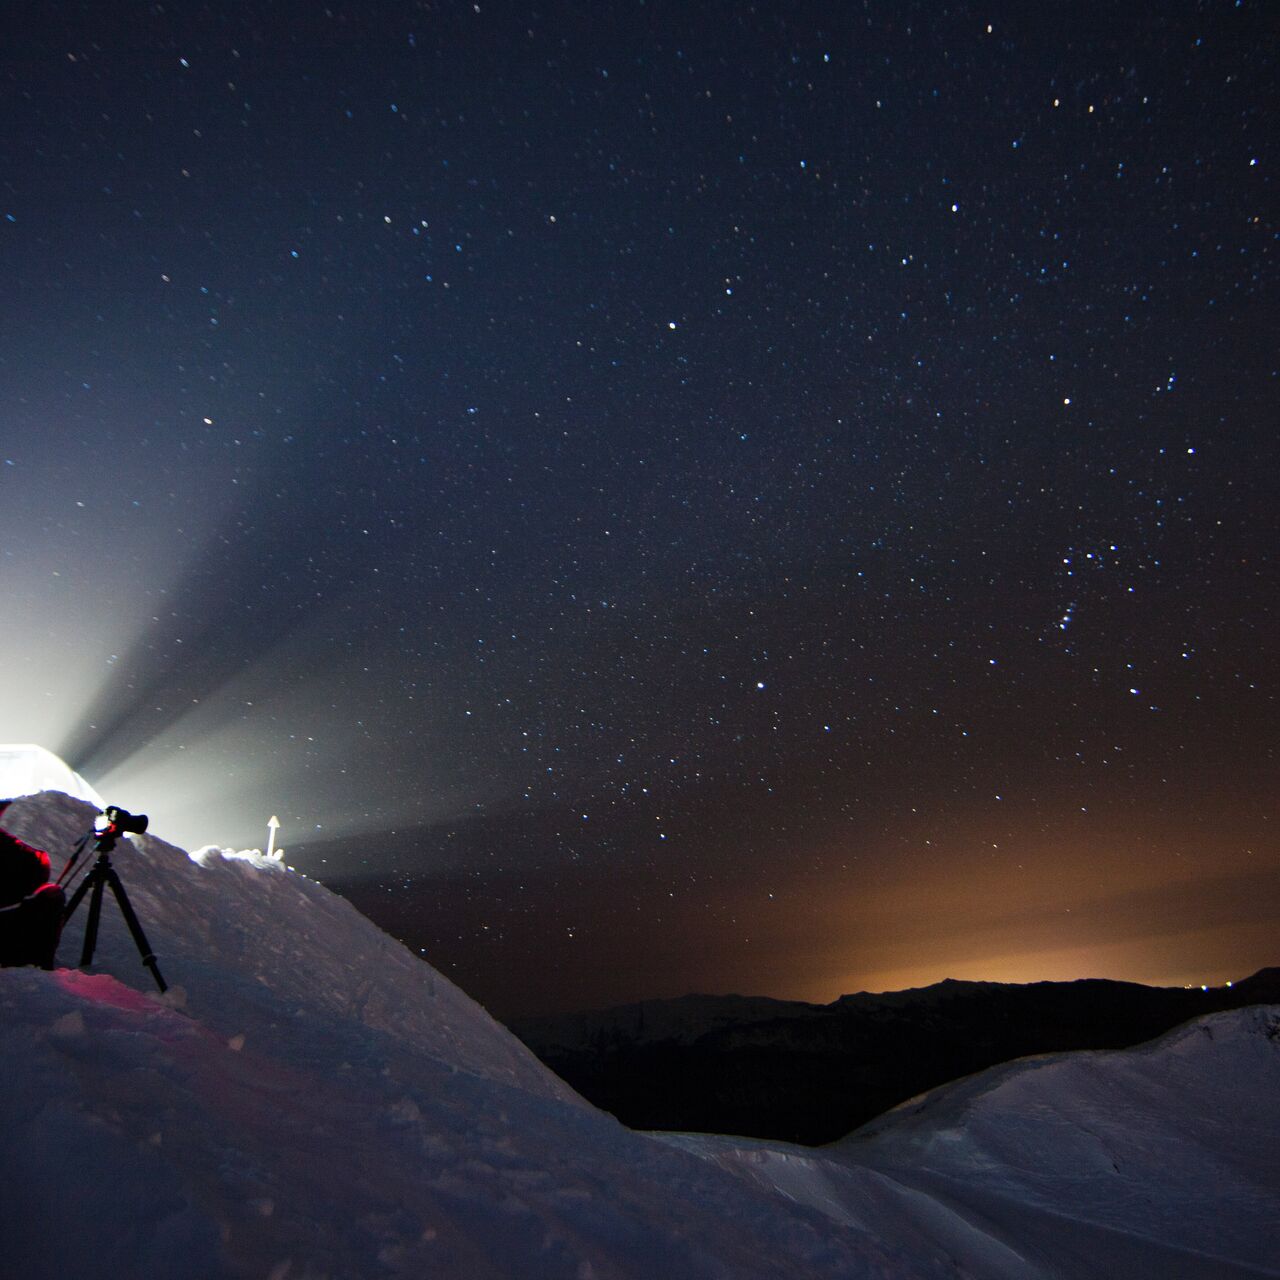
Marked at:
<point>312,1100</point>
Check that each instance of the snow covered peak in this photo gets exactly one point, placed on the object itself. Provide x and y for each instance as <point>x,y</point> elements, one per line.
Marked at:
<point>26,770</point>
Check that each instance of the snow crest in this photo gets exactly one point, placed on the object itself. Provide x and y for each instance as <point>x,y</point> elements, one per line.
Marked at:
<point>26,770</point>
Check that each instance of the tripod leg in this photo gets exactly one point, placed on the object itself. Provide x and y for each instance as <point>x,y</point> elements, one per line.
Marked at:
<point>91,925</point>
<point>76,898</point>
<point>139,938</point>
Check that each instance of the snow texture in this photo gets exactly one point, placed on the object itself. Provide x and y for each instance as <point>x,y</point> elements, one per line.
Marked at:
<point>311,1100</point>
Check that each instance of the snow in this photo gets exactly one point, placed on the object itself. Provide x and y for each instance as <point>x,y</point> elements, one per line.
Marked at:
<point>26,770</point>
<point>311,1100</point>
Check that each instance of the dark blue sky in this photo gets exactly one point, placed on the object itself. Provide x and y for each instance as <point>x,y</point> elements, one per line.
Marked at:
<point>662,496</point>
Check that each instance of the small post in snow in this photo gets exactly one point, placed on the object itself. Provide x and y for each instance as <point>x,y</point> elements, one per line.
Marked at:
<point>273,825</point>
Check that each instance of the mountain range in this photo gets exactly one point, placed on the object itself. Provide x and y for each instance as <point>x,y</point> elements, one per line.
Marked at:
<point>811,1073</point>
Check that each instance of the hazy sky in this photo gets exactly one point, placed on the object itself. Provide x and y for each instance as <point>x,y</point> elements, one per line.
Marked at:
<point>662,496</point>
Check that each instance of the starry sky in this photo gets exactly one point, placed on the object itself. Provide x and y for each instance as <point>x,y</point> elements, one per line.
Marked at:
<point>662,497</point>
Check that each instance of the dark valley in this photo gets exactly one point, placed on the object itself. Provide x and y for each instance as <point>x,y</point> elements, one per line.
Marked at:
<point>806,1073</point>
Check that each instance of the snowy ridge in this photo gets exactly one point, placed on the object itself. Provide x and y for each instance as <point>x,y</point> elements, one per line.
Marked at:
<point>1152,1142</point>
<point>313,1101</point>
<point>243,936</point>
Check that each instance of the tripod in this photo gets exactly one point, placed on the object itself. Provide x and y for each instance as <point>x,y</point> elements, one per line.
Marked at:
<point>102,874</point>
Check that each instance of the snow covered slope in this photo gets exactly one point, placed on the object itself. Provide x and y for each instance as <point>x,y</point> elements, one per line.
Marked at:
<point>248,940</point>
<point>1170,1150</point>
<point>1160,1161</point>
<point>313,1101</point>
<point>318,1102</point>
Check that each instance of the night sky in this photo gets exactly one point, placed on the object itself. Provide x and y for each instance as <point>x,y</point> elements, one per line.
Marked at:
<point>662,497</point>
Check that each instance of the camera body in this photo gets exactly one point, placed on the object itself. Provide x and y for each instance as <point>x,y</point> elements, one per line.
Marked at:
<point>126,823</point>
<point>114,822</point>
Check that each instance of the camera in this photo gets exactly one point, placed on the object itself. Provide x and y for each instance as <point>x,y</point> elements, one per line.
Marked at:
<point>108,827</point>
<point>121,822</point>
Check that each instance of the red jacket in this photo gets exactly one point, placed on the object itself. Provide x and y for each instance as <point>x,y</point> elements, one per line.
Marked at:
<point>22,869</point>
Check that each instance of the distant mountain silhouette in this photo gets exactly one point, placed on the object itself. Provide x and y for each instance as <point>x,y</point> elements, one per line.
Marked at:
<point>807,1073</point>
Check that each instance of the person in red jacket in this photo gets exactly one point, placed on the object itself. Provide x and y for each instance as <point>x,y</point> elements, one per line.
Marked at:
<point>30,907</point>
